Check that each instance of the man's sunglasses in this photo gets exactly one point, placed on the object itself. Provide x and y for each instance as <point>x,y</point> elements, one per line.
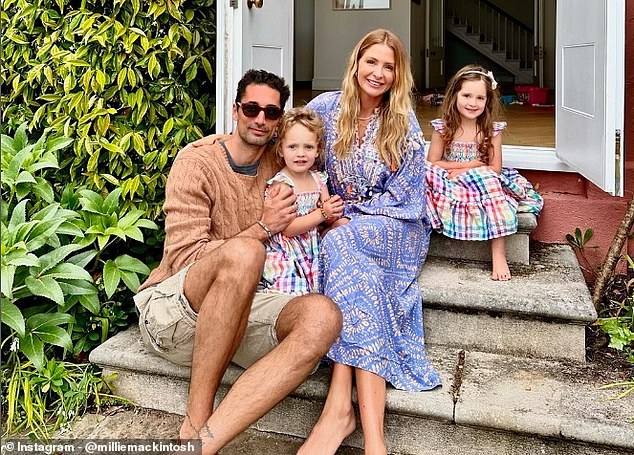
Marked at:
<point>253,110</point>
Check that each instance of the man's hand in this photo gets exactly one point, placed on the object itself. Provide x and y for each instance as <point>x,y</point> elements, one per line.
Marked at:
<point>333,207</point>
<point>279,207</point>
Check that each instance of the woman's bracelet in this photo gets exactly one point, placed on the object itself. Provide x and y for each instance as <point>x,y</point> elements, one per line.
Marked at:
<point>266,229</point>
<point>323,213</point>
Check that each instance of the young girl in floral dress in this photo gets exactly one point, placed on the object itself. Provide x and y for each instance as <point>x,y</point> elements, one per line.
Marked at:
<point>291,264</point>
<point>469,195</point>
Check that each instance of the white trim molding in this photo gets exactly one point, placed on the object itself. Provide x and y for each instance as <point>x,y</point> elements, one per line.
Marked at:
<point>533,158</point>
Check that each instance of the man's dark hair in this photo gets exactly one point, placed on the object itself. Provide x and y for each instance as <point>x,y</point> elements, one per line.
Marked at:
<point>261,77</point>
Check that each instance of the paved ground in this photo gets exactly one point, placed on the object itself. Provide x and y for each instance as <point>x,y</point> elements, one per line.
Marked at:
<point>125,423</point>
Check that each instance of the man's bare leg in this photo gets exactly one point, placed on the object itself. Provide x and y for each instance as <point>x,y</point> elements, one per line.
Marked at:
<point>306,328</point>
<point>371,393</point>
<point>220,288</point>
<point>337,419</point>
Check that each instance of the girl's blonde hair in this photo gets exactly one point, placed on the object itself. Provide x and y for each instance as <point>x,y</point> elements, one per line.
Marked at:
<point>484,123</point>
<point>306,117</point>
<point>394,110</point>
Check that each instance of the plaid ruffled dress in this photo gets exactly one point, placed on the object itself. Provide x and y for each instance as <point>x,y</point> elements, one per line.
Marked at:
<point>291,262</point>
<point>478,204</point>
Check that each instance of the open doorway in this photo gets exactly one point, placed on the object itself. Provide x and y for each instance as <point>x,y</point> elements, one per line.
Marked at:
<point>514,39</point>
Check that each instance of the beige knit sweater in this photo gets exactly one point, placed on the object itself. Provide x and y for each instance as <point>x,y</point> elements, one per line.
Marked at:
<point>206,202</point>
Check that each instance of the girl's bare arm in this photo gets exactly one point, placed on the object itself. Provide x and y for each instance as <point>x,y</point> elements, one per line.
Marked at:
<point>436,152</point>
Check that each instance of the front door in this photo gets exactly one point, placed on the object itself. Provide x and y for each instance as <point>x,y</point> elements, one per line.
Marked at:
<point>435,44</point>
<point>590,89</point>
<point>250,34</point>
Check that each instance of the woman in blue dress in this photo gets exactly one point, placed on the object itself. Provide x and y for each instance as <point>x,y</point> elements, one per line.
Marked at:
<point>375,161</point>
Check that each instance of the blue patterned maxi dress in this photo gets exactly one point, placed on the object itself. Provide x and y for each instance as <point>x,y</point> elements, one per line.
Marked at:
<point>370,264</point>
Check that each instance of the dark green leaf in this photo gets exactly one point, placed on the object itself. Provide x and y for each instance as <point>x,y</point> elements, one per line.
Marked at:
<point>33,348</point>
<point>56,336</point>
<point>111,277</point>
<point>69,272</point>
<point>128,263</point>
<point>39,320</point>
<point>12,316</point>
<point>45,287</point>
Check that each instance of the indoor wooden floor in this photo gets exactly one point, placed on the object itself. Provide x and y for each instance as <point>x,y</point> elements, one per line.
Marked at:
<point>527,125</point>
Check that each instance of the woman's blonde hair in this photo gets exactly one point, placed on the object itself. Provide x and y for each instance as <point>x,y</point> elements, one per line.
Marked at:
<point>306,117</point>
<point>394,110</point>
<point>484,123</point>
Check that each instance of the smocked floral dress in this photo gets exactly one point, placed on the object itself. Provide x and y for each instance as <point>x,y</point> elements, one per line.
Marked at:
<point>478,204</point>
<point>370,265</point>
<point>291,262</point>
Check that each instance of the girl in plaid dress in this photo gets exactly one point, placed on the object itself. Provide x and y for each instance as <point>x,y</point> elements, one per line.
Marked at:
<point>469,195</point>
<point>291,262</point>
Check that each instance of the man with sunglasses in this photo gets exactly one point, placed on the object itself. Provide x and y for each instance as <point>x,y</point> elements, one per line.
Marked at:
<point>201,306</point>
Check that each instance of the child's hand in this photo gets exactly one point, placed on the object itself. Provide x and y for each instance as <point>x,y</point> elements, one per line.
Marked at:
<point>453,173</point>
<point>333,208</point>
<point>476,163</point>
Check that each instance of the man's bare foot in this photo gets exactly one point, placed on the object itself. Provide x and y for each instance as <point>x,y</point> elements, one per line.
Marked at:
<point>328,434</point>
<point>188,431</point>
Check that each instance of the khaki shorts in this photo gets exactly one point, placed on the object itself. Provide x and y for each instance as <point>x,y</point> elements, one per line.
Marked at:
<point>168,323</point>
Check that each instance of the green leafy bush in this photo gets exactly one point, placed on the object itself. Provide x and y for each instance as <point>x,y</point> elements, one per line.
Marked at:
<point>66,278</point>
<point>131,81</point>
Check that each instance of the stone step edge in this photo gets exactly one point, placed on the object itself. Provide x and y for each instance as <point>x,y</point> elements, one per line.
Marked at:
<point>437,404</point>
<point>550,288</point>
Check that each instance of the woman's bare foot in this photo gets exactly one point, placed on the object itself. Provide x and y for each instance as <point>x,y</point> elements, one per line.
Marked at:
<point>375,448</point>
<point>501,270</point>
<point>329,433</point>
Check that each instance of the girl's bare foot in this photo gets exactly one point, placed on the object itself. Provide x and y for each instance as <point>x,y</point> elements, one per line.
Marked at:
<point>329,433</point>
<point>501,270</point>
<point>501,273</point>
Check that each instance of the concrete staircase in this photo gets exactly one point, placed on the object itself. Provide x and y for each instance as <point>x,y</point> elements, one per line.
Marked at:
<point>511,356</point>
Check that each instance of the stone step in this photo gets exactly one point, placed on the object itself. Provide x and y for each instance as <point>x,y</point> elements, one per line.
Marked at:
<point>517,245</point>
<point>488,403</point>
<point>541,312</point>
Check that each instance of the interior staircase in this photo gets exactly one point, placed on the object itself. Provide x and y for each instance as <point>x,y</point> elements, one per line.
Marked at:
<point>511,356</point>
<point>494,34</point>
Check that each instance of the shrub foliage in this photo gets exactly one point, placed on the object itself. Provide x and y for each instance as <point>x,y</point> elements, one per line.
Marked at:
<point>110,90</point>
<point>131,81</point>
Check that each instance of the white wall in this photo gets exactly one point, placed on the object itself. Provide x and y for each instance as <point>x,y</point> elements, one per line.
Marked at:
<point>304,26</point>
<point>337,32</point>
<point>417,43</point>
